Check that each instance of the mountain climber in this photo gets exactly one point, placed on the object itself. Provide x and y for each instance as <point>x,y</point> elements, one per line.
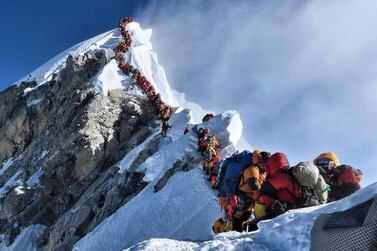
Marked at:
<point>165,127</point>
<point>250,183</point>
<point>186,130</point>
<point>122,47</point>
<point>279,192</point>
<point>165,113</point>
<point>343,180</point>
<point>207,145</point>
<point>241,212</point>
<point>127,39</point>
<point>201,135</point>
<point>125,67</point>
<point>119,56</point>
<point>124,21</point>
<point>207,117</point>
<point>214,177</point>
<point>209,156</point>
<point>313,186</point>
<point>225,224</point>
<point>260,157</point>
<point>222,225</point>
<point>252,179</point>
<point>237,206</point>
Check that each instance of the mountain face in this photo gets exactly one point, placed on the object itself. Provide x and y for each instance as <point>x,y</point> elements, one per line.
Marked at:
<point>80,145</point>
<point>63,140</point>
<point>84,165</point>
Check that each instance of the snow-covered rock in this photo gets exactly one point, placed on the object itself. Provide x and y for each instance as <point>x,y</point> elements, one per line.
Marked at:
<point>27,240</point>
<point>96,146</point>
<point>45,72</point>
<point>111,78</point>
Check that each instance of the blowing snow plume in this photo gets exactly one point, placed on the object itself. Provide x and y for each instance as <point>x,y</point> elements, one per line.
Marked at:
<point>301,73</point>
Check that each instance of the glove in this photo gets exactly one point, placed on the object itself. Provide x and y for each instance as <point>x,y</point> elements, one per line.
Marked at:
<point>278,208</point>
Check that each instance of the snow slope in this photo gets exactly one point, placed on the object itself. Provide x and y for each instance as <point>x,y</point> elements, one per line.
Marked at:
<point>141,56</point>
<point>180,215</point>
<point>26,241</point>
<point>184,209</point>
<point>290,231</point>
<point>107,40</point>
<point>181,210</point>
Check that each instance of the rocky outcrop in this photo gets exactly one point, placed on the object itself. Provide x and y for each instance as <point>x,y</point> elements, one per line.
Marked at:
<point>59,143</point>
<point>185,165</point>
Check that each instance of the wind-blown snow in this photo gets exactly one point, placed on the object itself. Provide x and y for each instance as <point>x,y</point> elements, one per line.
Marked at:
<point>197,112</point>
<point>186,207</point>
<point>26,241</point>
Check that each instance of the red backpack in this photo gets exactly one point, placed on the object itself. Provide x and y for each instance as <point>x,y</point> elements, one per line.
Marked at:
<point>275,163</point>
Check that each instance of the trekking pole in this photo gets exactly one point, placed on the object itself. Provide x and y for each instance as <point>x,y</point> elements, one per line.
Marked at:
<point>248,223</point>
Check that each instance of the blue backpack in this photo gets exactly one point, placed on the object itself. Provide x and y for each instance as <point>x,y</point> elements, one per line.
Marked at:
<point>235,167</point>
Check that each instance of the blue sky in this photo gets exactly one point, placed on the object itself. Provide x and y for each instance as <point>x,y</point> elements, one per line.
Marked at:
<point>34,31</point>
<point>301,73</point>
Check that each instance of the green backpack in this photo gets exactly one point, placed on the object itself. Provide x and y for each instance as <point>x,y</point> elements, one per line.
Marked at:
<point>308,175</point>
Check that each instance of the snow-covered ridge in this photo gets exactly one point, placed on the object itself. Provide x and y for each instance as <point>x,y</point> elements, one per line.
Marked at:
<point>44,73</point>
<point>178,215</point>
<point>140,56</point>
<point>165,213</point>
<point>127,226</point>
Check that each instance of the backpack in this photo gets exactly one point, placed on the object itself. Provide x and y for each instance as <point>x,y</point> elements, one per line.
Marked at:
<point>307,175</point>
<point>212,141</point>
<point>236,165</point>
<point>217,168</point>
<point>338,171</point>
<point>209,154</point>
<point>275,163</point>
<point>251,172</point>
<point>221,176</point>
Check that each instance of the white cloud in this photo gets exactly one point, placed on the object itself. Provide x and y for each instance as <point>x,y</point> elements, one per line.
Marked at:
<point>303,75</point>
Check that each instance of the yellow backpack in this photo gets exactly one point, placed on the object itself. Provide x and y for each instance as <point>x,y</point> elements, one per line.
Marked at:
<point>251,172</point>
<point>221,226</point>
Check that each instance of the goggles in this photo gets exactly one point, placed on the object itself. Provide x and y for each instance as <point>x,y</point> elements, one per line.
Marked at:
<point>325,165</point>
<point>323,162</point>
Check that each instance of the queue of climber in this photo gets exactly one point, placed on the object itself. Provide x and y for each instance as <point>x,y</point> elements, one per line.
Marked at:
<point>258,185</point>
<point>163,110</point>
<point>252,186</point>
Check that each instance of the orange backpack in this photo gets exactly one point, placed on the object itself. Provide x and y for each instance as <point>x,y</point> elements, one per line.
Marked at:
<point>251,172</point>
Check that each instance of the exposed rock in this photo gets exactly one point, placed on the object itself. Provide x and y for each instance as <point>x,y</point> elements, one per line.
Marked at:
<point>179,166</point>
<point>68,138</point>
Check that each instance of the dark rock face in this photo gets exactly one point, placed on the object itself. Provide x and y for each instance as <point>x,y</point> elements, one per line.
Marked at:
<point>185,165</point>
<point>68,137</point>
